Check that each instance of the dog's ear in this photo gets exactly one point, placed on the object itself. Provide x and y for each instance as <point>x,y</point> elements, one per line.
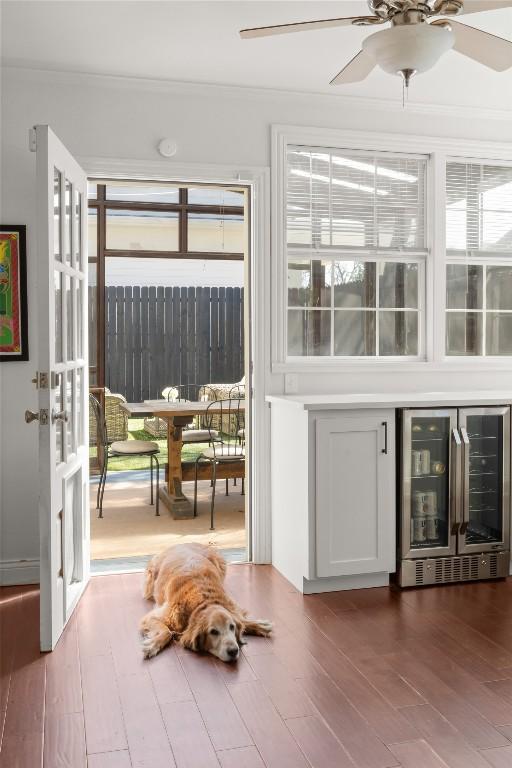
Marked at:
<point>194,637</point>
<point>239,629</point>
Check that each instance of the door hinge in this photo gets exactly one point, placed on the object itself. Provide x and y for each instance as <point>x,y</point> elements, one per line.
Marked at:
<point>32,139</point>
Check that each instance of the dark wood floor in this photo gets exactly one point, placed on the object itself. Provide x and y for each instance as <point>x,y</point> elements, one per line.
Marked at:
<point>373,679</point>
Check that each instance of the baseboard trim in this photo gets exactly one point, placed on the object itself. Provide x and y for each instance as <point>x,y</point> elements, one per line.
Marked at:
<point>338,583</point>
<point>16,572</point>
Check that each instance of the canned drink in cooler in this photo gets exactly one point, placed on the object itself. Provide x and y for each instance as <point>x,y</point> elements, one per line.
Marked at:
<point>430,503</point>
<point>419,530</point>
<point>425,461</point>
<point>416,464</point>
<point>432,528</point>
<point>419,501</point>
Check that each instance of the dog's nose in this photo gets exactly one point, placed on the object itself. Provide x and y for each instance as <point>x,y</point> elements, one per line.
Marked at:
<point>233,653</point>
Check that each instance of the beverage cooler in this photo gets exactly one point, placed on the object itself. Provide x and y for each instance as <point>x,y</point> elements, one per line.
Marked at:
<point>454,494</point>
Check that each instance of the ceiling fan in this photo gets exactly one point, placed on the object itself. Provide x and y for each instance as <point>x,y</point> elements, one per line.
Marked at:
<point>411,44</point>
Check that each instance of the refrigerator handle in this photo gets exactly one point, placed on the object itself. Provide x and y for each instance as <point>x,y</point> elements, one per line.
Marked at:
<point>455,482</point>
<point>465,490</point>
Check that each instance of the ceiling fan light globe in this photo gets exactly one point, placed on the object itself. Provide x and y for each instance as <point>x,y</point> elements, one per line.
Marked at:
<point>414,46</point>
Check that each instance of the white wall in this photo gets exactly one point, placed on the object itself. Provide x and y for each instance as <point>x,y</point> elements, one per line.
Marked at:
<point>96,117</point>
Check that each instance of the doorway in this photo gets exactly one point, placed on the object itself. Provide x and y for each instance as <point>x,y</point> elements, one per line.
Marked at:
<point>168,269</point>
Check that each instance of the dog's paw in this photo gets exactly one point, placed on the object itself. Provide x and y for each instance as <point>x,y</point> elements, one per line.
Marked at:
<point>150,647</point>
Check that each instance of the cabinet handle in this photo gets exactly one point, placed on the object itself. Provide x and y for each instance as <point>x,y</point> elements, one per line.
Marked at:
<point>385,425</point>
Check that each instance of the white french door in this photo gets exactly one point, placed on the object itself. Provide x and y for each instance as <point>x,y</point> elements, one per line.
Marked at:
<point>62,381</point>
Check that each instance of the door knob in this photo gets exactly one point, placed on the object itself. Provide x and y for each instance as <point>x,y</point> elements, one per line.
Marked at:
<point>31,416</point>
<point>59,416</point>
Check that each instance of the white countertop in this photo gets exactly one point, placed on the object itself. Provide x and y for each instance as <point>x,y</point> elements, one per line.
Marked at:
<point>395,400</point>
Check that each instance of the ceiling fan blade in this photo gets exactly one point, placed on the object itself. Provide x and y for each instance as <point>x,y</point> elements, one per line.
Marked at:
<point>478,6</point>
<point>304,26</point>
<point>490,50</point>
<point>356,70</point>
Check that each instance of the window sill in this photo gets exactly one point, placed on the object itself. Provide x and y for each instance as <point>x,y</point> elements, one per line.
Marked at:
<point>393,365</point>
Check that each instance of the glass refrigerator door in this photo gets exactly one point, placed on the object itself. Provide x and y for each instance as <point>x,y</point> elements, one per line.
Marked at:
<point>485,434</point>
<point>429,456</point>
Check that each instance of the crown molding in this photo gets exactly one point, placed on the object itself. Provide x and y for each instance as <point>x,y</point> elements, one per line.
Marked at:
<point>153,85</point>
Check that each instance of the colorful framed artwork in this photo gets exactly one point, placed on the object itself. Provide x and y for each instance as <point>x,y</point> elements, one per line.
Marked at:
<point>13,293</point>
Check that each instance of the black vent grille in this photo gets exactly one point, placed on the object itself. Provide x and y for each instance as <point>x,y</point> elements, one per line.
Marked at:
<point>419,572</point>
<point>493,566</point>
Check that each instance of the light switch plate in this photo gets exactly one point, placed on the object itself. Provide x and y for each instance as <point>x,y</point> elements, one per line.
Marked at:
<point>291,383</point>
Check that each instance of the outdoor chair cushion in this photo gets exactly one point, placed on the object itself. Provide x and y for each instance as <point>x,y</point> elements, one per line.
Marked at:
<point>225,453</point>
<point>199,435</point>
<point>127,447</point>
<point>241,434</point>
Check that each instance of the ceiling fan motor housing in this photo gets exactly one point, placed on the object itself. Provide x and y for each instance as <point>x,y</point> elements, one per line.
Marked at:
<point>409,47</point>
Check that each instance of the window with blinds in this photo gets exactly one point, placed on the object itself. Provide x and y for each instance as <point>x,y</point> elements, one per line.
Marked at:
<point>478,245</point>
<point>478,209</point>
<point>356,245</point>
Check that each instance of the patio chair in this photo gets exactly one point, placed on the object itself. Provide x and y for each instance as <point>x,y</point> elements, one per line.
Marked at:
<point>220,451</point>
<point>156,426</point>
<point>196,431</point>
<point>120,448</point>
<point>117,418</point>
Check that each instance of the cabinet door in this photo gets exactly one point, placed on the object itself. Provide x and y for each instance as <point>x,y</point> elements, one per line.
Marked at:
<point>355,494</point>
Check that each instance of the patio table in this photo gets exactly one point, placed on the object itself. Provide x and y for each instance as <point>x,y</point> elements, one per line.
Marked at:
<point>178,415</point>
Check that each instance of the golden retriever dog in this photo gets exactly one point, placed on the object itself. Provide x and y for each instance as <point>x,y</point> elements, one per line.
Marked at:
<point>192,607</point>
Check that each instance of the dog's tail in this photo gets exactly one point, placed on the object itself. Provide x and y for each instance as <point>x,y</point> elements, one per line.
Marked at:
<point>149,580</point>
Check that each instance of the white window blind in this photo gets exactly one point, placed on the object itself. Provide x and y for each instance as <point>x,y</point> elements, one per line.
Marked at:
<point>478,209</point>
<point>355,201</point>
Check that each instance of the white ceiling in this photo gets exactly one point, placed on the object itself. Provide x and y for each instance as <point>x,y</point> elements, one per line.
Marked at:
<point>197,41</point>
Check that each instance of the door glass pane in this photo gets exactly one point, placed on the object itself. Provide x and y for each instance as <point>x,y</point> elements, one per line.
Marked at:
<point>69,317</point>
<point>59,432</point>
<point>309,284</point>
<point>498,333</point>
<point>58,316</point>
<point>354,332</point>
<point>79,286</point>
<point>427,468</point>
<point>309,332</point>
<point>464,333</point>
<point>70,411</point>
<point>142,230</point>
<point>68,223</point>
<point>78,407</point>
<point>398,333</point>
<point>57,242</point>
<point>485,435</point>
<point>78,230</point>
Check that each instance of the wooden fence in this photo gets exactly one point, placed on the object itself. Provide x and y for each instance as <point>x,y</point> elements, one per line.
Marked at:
<point>162,336</point>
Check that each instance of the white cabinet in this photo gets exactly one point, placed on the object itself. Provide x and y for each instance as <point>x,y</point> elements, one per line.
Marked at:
<point>355,494</point>
<point>333,496</point>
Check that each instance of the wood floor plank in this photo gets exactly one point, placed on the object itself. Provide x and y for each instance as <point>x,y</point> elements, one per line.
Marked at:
<point>271,736</point>
<point>103,716</point>
<point>288,697</point>
<point>498,758</point>
<point>354,733</point>
<point>188,736</point>
<point>455,708</point>
<point>10,605</point>
<point>64,740</point>
<point>243,757</point>
<point>145,731</point>
<point>222,719</point>
<point>444,739</point>
<point>389,683</point>
<point>118,759</point>
<point>168,678</point>
<point>321,747</point>
<point>63,679</point>
<point>23,750</point>
<point>417,754</point>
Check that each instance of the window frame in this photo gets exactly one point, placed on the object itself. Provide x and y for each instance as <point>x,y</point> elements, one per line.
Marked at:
<point>438,151</point>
